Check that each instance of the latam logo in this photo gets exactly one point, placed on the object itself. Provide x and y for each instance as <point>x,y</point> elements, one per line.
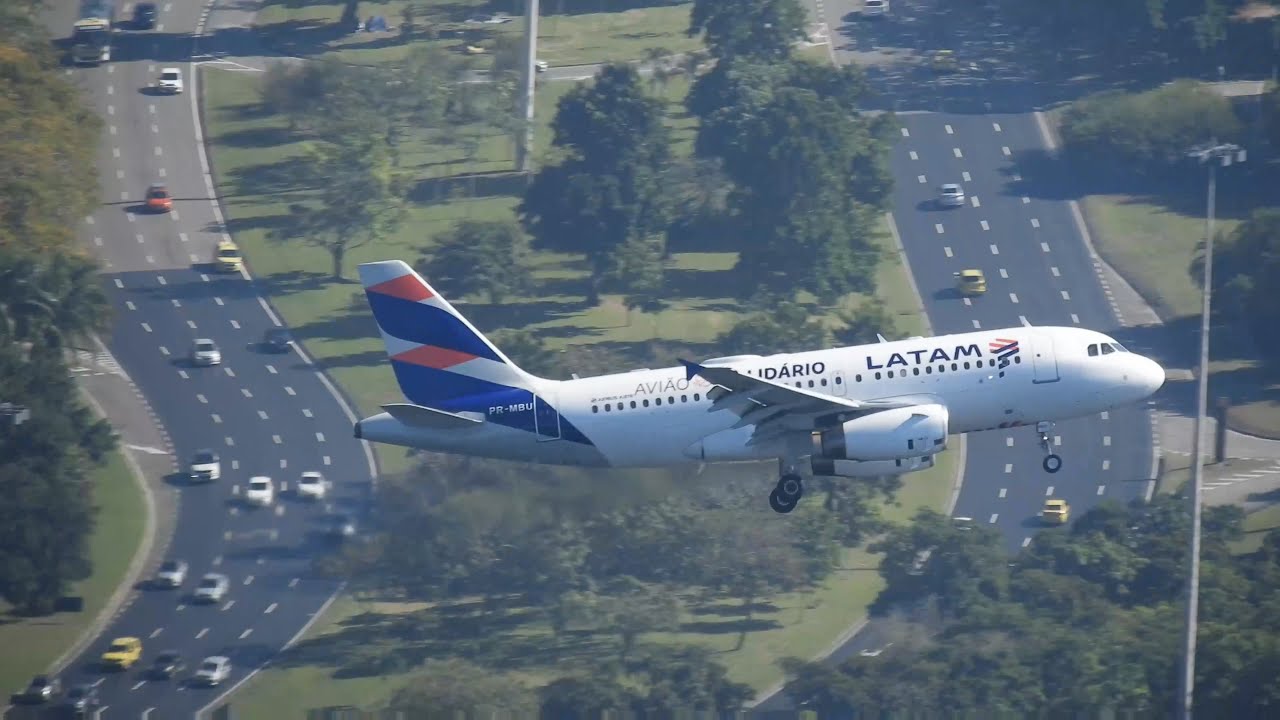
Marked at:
<point>1004,349</point>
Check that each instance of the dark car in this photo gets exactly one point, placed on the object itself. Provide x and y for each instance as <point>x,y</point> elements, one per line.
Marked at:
<point>277,340</point>
<point>144,15</point>
<point>42,689</point>
<point>342,526</point>
<point>81,698</point>
<point>167,664</point>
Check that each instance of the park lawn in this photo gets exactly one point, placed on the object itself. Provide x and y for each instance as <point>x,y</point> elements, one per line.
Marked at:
<point>1256,526</point>
<point>32,644</point>
<point>563,39</point>
<point>796,625</point>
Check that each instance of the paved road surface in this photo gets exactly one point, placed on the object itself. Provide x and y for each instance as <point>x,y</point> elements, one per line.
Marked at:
<point>265,414</point>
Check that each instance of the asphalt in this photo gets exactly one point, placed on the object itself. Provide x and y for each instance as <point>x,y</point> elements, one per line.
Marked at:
<point>265,414</point>
<point>1039,267</point>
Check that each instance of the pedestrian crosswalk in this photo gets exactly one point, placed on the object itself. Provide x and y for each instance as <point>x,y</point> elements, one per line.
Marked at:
<point>87,363</point>
<point>1254,474</point>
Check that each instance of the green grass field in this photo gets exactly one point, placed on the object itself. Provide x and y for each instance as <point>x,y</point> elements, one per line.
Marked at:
<point>1256,526</point>
<point>306,29</point>
<point>33,643</point>
<point>333,322</point>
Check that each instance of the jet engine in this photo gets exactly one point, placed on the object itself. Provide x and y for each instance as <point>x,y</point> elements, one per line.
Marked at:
<point>897,434</point>
<point>826,467</point>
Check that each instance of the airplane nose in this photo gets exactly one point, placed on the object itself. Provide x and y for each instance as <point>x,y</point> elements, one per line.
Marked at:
<point>1150,375</point>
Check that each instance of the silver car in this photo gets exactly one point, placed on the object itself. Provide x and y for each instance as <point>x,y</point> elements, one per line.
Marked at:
<point>204,352</point>
<point>172,574</point>
<point>951,195</point>
<point>213,671</point>
<point>212,588</point>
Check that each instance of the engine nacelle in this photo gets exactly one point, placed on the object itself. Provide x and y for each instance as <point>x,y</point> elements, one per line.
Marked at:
<point>896,434</point>
<point>826,467</point>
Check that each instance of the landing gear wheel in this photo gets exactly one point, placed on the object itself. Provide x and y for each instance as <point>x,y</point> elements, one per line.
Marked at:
<point>779,505</point>
<point>790,488</point>
<point>1052,463</point>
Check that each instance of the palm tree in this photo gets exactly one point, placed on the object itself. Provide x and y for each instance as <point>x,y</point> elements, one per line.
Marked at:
<point>659,60</point>
<point>51,302</point>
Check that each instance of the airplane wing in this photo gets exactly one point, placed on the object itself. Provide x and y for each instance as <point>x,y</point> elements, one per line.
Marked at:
<point>774,408</point>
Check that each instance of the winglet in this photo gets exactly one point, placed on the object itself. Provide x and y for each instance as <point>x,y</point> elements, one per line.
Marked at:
<point>881,338</point>
<point>1026,322</point>
<point>690,368</point>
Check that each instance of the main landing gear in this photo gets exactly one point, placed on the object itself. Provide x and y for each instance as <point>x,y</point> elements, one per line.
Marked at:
<point>787,494</point>
<point>1052,462</point>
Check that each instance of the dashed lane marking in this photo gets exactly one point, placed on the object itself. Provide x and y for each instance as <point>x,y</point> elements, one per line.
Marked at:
<point>956,152</point>
<point>1005,149</point>
<point>1004,491</point>
<point>1026,200</point>
<point>289,390</point>
<point>1013,298</point>
<point>1106,440</point>
<point>164,351</point>
<point>327,460</point>
<point>977,325</point>
<point>1008,468</point>
<point>235,324</point>
<point>270,609</point>
<point>146,327</point>
<point>217,419</point>
<point>973,199</point>
<point>1004,273</point>
<point>938,227</point>
<point>1048,491</point>
<point>948,129</point>
<point>1066,295</point>
<point>947,249</point>
<point>271,369</point>
<point>995,249</point>
<point>203,400</point>
<point>248,579</point>
<point>1035,223</point>
<point>293,583</point>
<point>1044,246</point>
<point>913,155</point>
<point>993,518</point>
<point>1026,541</point>
<point>129,304</point>
<point>1075,318</point>
<point>319,437</point>
<point>995,126</point>
<point>921,179</point>
<point>276,439</point>
<point>1106,464</point>
<point>985,225</point>
<point>231,442</point>
<point>1008,442</point>
<point>905,133</point>
<point>965,175</point>
<point>1106,415</point>
<point>229,372</point>
<point>246,633</point>
<point>1102,489</point>
<point>262,414</point>
<point>306,412</point>
<point>1054,271</point>
<point>191,324</point>
<point>245,392</point>
<point>229,605</point>
<point>202,633</point>
<point>156,632</point>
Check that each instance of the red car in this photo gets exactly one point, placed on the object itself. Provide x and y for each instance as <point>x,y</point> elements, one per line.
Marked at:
<point>159,199</point>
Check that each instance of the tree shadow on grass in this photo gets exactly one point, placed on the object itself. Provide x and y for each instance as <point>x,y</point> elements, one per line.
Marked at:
<point>262,222</point>
<point>290,175</point>
<point>294,281</point>
<point>686,284</point>
<point>741,625</point>
<point>735,610</point>
<point>301,38</point>
<point>262,137</point>
<point>433,191</point>
<point>520,315</point>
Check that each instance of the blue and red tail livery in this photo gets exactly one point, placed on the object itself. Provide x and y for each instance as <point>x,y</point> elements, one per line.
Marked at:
<point>437,355</point>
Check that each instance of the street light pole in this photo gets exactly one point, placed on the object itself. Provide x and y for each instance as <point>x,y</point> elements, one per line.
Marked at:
<point>524,131</point>
<point>1213,154</point>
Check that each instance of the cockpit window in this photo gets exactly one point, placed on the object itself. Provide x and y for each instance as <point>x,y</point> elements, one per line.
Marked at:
<point>1119,347</point>
<point>1093,350</point>
<point>1107,349</point>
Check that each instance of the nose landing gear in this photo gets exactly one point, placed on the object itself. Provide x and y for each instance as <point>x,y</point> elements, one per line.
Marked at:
<point>787,494</point>
<point>1052,462</point>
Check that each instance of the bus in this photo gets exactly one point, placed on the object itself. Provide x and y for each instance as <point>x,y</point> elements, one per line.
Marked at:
<point>91,34</point>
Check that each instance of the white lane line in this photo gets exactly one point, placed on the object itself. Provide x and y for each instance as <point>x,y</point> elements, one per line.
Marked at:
<point>1005,149</point>
<point>947,249</point>
<point>129,304</point>
<point>289,390</point>
<point>119,283</point>
<point>284,464</point>
<point>191,324</point>
<point>270,609</point>
<point>235,464</point>
<point>97,241</point>
<point>967,302</point>
<point>111,129</point>
<point>1026,541</point>
<point>151,260</point>
<point>1057,440</point>
<point>973,200</point>
<point>1066,295</point>
<point>1008,468</point>
<point>948,129</point>
<point>995,126</point>
<point>1054,271</point>
<point>1048,491</point>
<point>985,225</point>
<point>1013,298</point>
<point>1102,489</point>
<point>217,301</point>
<point>1075,318</point>
<point>938,227</point>
<point>195,258</point>
<point>271,369</point>
<point>246,633</point>
<point>231,442</point>
<point>262,414</point>
<point>1004,491</point>
<point>1004,273</point>
<point>913,155</point>
<point>120,176</point>
<point>146,327</point>
<point>138,684</point>
<point>124,195</point>
<point>293,583</point>
<point>248,579</point>
<point>235,324</point>
<point>306,412</point>
<point>995,249</point>
<point>319,437</point>
<point>1106,464</point>
<point>246,393</point>
<point>115,152</point>
<point>1106,415</point>
<point>276,439</point>
<point>202,633</point>
<point>161,172</point>
<point>1044,246</point>
<point>156,632</point>
<point>977,325</point>
<point>1026,200</point>
<point>203,400</point>
<point>229,605</point>
<point>921,179</point>
<point>152,107</point>
<point>993,517</point>
<point>905,133</point>
<point>956,152</point>
<point>1008,442</point>
<point>155,128</point>
<point>111,109</point>
<point>160,279</point>
<point>217,419</point>
<point>1023,319</point>
<point>183,374</point>
<point>326,460</point>
<point>966,176</point>
<point>176,303</point>
<point>1035,223</point>
<point>1106,441</point>
<point>164,351</point>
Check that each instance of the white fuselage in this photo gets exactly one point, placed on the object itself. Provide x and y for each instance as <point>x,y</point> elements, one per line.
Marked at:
<point>656,418</point>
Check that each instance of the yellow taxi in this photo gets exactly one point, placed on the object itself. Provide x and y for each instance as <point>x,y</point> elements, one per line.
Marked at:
<point>123,654</point>
<point>227,257</point>
<point>1056,512</point>
<point>971,283</point>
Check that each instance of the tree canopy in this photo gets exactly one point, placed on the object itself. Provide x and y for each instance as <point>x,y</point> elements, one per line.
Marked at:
<point>761,29</point>
<point>1246,269</point>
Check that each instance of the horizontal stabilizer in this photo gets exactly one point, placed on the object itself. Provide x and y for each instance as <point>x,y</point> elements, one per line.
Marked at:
<point>425,417</point>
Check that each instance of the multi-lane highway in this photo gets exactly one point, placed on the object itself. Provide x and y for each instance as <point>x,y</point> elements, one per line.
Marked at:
<point>265,414</point>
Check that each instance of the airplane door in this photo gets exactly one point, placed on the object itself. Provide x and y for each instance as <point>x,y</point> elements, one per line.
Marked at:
<point>839,381</point>
<point>1044,359</point>
<point>546,419</point>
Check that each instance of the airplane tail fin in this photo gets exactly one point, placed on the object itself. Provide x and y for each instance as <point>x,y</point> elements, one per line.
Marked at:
<point>437,355</point>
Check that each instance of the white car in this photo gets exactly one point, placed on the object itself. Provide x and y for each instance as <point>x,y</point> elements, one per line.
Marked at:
<point>541,66</point>
<point>172,573</point>
<point>205,466</point>
<point>170,81</point>
<point>951,195</point>
<point>875,8</point>
<point>260,491</point>
<point>204,352</point>
<point>312,486</point>
<point>212,588</point>
<point>213,671</point>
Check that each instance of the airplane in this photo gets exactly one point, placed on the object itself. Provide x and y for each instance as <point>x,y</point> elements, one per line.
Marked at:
<point>863,411</point>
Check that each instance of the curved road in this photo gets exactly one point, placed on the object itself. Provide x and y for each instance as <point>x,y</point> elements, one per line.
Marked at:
<point>265,414</point>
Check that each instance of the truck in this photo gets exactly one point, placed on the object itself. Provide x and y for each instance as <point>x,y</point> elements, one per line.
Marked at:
<point>91,34</point>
